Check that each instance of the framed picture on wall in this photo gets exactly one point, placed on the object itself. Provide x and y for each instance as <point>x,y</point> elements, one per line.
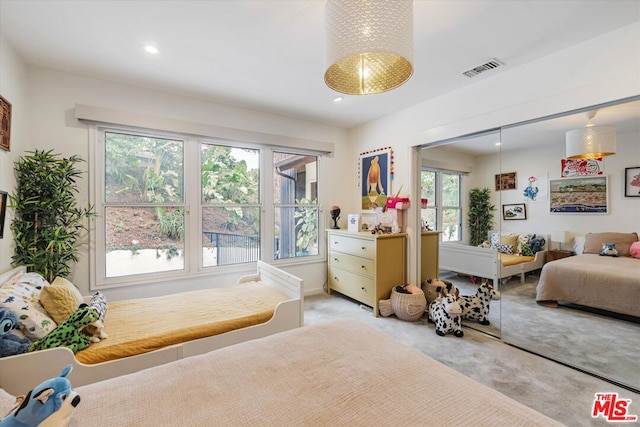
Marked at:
<point>506,181</point>
<point>3,211</point>
<point>632,182</point>
<point>5,124</point>
<point>586,195</point>
<point>375,177</point>
<point>514,211</point>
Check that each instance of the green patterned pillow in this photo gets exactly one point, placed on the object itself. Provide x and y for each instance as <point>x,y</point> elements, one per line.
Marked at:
<point>525,249</point>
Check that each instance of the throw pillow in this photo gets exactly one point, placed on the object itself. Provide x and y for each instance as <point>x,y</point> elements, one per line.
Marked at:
<point>21,295</point>
<point>61,299</point>
<point>634,250</point>
<point>523,243</point>
<point>505,249</point>
<point>593,242</point>
<point>524,249</point>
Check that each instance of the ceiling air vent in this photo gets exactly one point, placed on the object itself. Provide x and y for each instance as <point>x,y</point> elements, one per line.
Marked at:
<point>490,65</point>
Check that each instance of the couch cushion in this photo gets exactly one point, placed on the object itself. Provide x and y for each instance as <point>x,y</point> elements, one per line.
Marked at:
<point>593,242</point>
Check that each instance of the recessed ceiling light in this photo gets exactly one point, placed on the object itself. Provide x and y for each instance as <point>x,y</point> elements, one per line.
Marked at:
<point>338,99</point>
<point>151,49</point>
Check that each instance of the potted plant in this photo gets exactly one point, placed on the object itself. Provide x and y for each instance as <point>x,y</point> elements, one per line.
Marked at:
<point>480,216</point>
<point>48,223</point>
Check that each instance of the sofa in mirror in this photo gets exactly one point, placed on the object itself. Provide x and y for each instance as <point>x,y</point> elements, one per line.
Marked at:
<point>548,195</point>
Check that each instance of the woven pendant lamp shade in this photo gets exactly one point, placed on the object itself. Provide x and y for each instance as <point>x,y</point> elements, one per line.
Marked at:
<point>369,45</point>
<point>591,142</point>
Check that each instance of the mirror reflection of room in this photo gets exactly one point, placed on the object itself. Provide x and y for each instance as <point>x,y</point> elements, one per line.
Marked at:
<point>575,221</point>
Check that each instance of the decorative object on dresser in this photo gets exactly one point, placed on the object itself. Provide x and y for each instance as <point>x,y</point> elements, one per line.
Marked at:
<point>366,266</point>
<point>335,216</point>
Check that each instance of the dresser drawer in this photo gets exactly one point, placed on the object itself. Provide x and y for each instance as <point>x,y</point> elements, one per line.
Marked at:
<point>352,263</point>
<point>358,247</point>
<point>352,285</point>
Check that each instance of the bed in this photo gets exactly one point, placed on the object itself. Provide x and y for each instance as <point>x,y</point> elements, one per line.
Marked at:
<point>489,262</point>
<point>340,372</point>
<point>591,280</point>
<point>183,325</point>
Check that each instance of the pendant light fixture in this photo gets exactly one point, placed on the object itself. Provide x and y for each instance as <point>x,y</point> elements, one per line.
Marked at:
<point>369,45</point>
<point>591,141</point>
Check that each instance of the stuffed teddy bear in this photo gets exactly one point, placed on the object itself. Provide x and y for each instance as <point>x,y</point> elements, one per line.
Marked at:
<point>50,404</point>
<point>69,333</point>
<point>609,249</point>
<point>10,344</point>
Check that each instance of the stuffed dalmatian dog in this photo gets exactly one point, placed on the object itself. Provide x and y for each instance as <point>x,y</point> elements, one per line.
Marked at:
<point>476,307</point>
<point>446,313</point>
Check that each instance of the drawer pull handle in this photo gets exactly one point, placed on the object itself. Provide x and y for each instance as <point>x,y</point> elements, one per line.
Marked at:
<point>336,260</point>
<point>363,267</point>
<point>363,248</point>
<point>363,288</point>
<point>335,278</point>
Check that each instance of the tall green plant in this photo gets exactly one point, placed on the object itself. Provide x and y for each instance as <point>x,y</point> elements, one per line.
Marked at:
<point>48,223</point>
<point>480,216</point>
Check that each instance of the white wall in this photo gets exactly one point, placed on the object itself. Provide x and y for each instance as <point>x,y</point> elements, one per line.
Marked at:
<point>13,87</point>
<point>624,212</point>
<point>599,70</point>
<point>54,94</point>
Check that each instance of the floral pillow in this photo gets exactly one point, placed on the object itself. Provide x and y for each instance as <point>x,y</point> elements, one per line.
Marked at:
<point>21,295</point>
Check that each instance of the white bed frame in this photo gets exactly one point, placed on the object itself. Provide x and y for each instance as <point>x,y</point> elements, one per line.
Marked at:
<point>20,373</point>
<point>484,262</point>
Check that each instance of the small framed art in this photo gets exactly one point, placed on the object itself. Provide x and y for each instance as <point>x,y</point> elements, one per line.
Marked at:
<point>506,181</point>
<point>3,211</point>
<point>632,182</point>
<point>5,124</point>
<point>514,211</point>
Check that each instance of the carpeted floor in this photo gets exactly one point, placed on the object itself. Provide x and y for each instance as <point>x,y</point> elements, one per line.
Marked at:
<point>558,391</point>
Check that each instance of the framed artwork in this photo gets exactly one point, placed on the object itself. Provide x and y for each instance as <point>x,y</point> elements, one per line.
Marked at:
<point>632,182</point>
<point>375,177</point>
<point>3,211</point>
<point>585,195</point>
<point>514,211</point>
<point>5,124</point>
<point>506,181</point>
<point>581,167</point>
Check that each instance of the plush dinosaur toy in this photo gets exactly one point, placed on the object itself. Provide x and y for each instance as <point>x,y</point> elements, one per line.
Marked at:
<point>10,344</point>
<point>50,404</point>
<point>69,333</point>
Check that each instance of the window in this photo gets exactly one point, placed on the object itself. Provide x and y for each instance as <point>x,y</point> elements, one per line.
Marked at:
<point>144,204</point>
<point>444,208</point>
<point>157,218</point>
<point>295,196</point>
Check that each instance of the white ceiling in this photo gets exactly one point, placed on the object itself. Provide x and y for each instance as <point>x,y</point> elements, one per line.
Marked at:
<point>269,54</point>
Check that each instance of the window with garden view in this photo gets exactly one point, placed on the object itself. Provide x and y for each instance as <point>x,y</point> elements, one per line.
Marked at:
<point>444,208</point>
<point>159,211</point>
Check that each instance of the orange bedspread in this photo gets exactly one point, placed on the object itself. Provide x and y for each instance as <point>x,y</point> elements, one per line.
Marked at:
<point>142,325</point>
<point>508,259</point>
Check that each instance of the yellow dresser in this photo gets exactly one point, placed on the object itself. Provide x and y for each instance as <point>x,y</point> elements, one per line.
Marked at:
<point>366,266</point>
<point>429,255</point>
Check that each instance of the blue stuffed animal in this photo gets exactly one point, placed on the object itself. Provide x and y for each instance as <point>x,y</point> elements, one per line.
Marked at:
<point>10,344</point>
<point>50,404</point>
<point>537,243</point>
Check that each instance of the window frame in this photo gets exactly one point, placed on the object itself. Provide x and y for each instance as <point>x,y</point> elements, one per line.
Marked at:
<point>438,205</point>
<point>193,262</point>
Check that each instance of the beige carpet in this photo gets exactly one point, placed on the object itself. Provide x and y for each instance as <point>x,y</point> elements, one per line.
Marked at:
<point>555,390</point>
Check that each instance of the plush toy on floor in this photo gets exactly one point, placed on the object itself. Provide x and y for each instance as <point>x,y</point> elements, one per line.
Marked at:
<point>609,249</point>
<point>446,313</point>
<point>476,307</point>
<point>10,344</point>
<point>50,404</point>
<point>430,288</point>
